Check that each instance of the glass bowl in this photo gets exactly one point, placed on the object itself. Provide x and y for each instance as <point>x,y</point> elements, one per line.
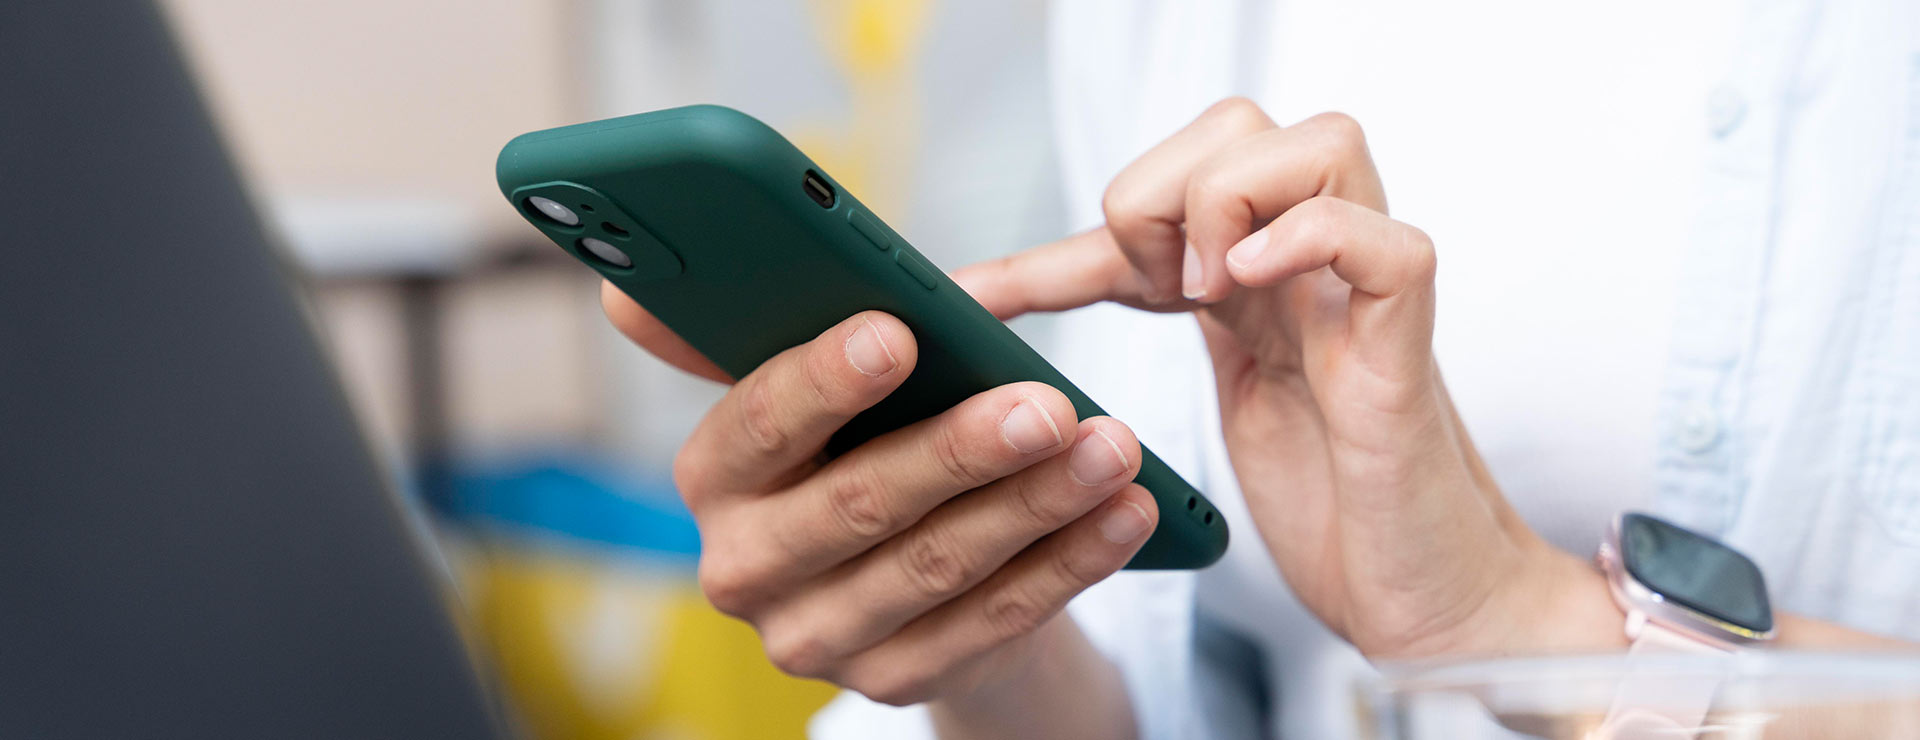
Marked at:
<point>1756,695</point>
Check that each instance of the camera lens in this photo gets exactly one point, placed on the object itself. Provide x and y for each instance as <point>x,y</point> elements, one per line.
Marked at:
<point>552,209</point>
<point>606,252</point>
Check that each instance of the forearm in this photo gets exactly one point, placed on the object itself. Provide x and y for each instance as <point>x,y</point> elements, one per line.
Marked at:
<point>1796,632</point>
<point>1066,690</point>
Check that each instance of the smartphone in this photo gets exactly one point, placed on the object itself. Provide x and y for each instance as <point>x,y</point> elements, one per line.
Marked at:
<point>739,243</point>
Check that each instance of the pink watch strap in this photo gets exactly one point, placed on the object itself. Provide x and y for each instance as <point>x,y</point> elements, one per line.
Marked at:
<point>1651,704</point>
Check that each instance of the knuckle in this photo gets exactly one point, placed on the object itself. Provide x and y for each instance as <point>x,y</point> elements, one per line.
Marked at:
<point>1347,138</point>
<point>690,474</point>
<point>900,687</point>
<point>1340,126</point>
<point>759,415</point>
<point>801,653</point>
<point>934,566</point>
<point>1210,189</point>
<point>1423,259</point>
<point>1010,612</point>
<point>1124,202</point>
<point>1237,113</point>
<point>856,500</point>
<point>1314,220</point>
<point>1036,509</point>
<point>955,457</point>
<point>892,697</point>
<point>730,588</point>
<point>1079,568</point>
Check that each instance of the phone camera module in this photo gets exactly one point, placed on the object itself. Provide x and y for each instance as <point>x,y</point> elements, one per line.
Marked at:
<point>553,210</point>
<point>606,253</point>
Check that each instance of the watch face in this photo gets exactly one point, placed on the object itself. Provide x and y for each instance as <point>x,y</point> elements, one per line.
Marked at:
<point>1695,572</point>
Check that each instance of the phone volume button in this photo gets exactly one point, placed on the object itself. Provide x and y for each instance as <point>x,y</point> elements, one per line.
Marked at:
<point>916,267</point>
<point>869,228</point>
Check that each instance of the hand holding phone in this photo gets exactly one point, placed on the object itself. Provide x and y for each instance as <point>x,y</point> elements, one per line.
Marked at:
<point>743,247</point>
<point>898,493</point>
<point>922,562</point>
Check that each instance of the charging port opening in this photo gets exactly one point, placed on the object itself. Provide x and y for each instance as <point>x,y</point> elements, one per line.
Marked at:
<point>817,189</point>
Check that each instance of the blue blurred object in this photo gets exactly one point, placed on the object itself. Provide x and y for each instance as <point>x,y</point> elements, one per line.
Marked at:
<point>571,497</point>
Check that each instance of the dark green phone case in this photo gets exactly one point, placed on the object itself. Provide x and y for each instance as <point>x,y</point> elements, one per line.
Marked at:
<point>732,252</point>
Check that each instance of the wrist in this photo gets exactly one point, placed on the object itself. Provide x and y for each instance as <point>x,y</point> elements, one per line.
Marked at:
<point>1574,610</point>
<point>1057,686</point>
<point>1551,603</point>
<point>1015,670</point>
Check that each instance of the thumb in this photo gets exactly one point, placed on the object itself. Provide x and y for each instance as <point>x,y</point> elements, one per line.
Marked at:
<point>1080,270</point>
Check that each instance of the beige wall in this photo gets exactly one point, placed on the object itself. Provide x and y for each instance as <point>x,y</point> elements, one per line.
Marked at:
<point>411,98</point>
<point>368,130</point>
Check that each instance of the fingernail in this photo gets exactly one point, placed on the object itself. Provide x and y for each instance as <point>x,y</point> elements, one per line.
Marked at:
<point>1096,460</point>
<point>1248,249</point>
<point>1124,522</point>
<point>1028,428</point>
<point>868,353</point>
<point>1193,285</point>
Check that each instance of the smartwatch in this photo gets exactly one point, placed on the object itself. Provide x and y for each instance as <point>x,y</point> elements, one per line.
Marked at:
<point>1683,592</point>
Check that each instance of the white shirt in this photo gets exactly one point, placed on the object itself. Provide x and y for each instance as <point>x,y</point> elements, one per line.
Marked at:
<point>1679,270</point>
